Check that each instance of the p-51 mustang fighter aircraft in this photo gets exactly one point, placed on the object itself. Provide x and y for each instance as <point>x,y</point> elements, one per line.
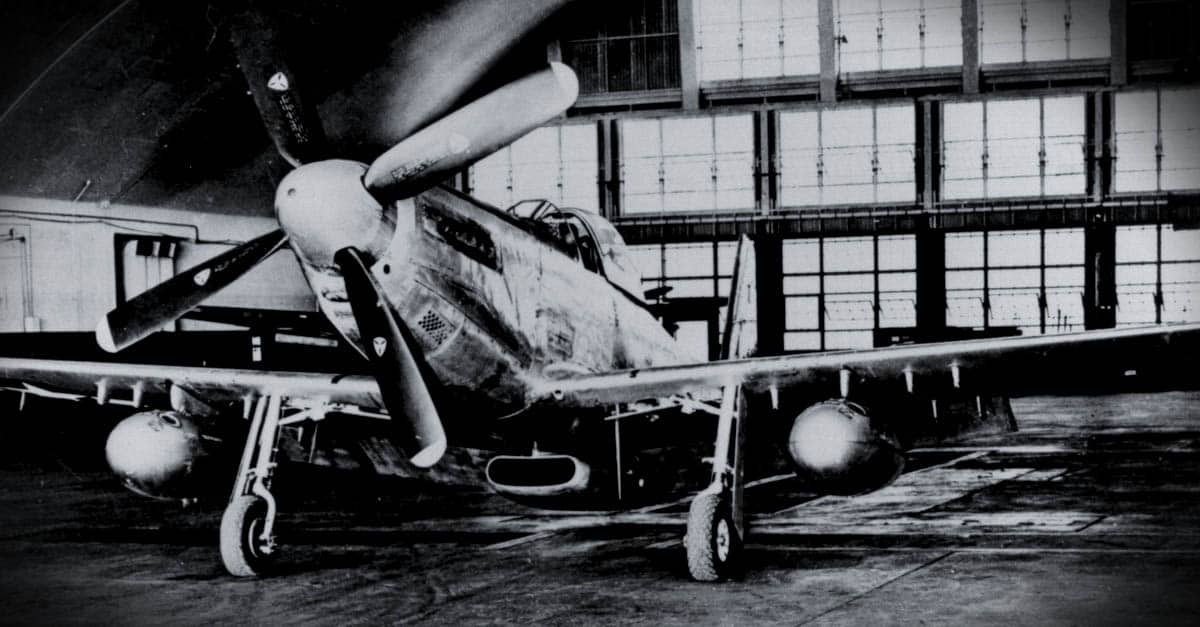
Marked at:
<point>474,320</point>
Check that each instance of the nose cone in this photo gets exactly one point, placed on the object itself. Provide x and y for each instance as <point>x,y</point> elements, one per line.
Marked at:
<point>324,208</point>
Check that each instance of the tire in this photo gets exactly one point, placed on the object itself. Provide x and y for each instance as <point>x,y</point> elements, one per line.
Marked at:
<point>242,552</point>
<point>712,542</point>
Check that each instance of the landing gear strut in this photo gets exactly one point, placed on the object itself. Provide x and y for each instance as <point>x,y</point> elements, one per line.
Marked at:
<point>247,526</point>
<point>715,525</point>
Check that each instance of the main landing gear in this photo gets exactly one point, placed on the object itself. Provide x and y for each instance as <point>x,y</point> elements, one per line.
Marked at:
<point>247,526</point>
<point>715,525</point>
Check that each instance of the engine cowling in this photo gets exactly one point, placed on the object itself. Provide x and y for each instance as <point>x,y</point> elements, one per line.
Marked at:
<point>838,449</point>
<point>155,453</point>
<point>538,476</point>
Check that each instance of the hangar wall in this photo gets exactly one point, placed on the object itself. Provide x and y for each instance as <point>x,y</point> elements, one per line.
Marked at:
<point>60,263</point>
<point>1015,150</point>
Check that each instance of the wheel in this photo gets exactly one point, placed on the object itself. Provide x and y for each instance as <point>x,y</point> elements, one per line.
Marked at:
<point>243,552</point>
<point>712,542</point>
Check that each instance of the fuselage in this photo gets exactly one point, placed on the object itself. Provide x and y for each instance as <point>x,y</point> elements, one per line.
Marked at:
<point>493,301</point>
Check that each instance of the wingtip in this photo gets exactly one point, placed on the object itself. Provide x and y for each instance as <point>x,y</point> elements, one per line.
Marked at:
<point>430,455</point>
<point>104,336</point>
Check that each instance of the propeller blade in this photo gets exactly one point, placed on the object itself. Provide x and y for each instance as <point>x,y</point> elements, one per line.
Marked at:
<point>472,132</point>
<point>291,120</point>
<point>164,303</point>
<point>442,50</point>
<point>388,347</point>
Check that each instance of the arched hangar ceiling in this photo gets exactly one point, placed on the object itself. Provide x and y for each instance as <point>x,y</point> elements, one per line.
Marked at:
<point>142,102</point>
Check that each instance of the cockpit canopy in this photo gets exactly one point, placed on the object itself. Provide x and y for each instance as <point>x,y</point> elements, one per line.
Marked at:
<point>589,238</point>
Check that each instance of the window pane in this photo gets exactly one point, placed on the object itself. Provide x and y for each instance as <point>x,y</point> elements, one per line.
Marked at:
<point>964,250</point>
<point>717,37</point>
<point>897,252</point>
<point>799,156</point>
<point>1014,248</point>
<point>801,46</point>
<point>1013,143</point>
<point>1046,32</point>
<point>943,32</point>
<point>801,312</point>
<point>797,285</point>
<point>1135,122</point>
<point>962,150</point>
<point>836,340</point>
<point>1180,245</point>
<point>856,22</point>
<point>1180,138</point>
<point>1064,142</point>
<point>849,311</point>
<point>793,341</point>
<point>690,260</point>
<point>801,255</point>
<point>1136,243</point>
<point>898,309</point>
<point>848,254</point>
<point>1090,36</point>
<point>850,284</point>
<point>491,178</point>
<point>760,39</point>
<point>1000,31</point>
<point>901,29</point>
<point>580,166</point>
<point>647,259</point>
<point>1064,246</point>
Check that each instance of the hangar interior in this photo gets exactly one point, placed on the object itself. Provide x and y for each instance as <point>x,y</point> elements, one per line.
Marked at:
<point>922,169</point>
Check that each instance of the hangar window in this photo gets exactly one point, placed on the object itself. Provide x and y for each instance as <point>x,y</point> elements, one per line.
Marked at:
<point>631,47</point>
<point>558,163</point>
<point>839,290</point>
<point>1157,136</point>
<point>847,155</point>
<point>687,164</point>
<point>878,35</point>
<point>1017,31</point>
<point>1157,270</point>
<point>1030,280</point>
<point>1013,148</point>
<point>756,39</point>
<point>702,271</point>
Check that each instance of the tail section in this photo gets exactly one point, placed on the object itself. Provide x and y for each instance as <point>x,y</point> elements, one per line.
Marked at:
<point>740,338</point>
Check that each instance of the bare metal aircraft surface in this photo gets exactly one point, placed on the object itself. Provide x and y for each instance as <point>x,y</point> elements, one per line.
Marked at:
<point>523,331</point>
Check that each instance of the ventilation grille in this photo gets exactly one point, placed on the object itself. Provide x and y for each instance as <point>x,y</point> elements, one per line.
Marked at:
<point>435,328</point>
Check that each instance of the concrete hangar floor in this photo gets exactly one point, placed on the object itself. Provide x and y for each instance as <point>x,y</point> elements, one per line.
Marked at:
<point>1089,515</point>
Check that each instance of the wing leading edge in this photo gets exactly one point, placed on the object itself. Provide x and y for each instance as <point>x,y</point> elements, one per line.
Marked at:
<point>123,381</point>
<point>1006,364</point>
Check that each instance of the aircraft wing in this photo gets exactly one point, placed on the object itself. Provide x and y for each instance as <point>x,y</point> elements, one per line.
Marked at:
<point>1039,363</point>
<point>142,384</point>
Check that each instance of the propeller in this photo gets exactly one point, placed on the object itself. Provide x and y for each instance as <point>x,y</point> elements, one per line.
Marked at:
<point>417,162</point>
<point>163,304</point>
<point>390,350</point>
